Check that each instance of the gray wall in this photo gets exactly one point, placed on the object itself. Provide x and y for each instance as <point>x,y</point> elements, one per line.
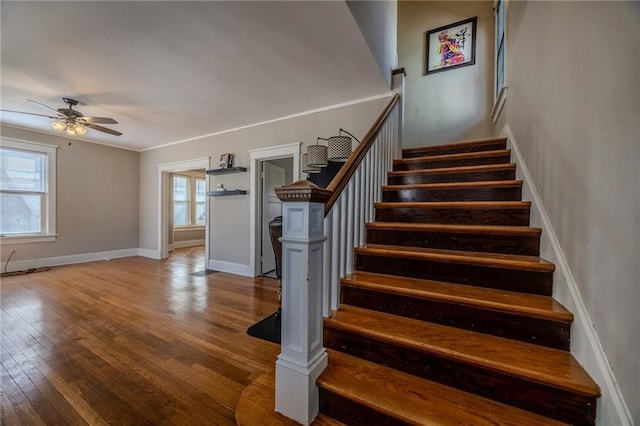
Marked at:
<point>451,105</point>
<point>97,198</point>
<point>573,72</point>
<point>230,215</point>
<point>378,22</point>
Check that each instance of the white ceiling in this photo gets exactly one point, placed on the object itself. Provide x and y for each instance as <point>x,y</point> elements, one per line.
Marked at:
<point>170,71</point>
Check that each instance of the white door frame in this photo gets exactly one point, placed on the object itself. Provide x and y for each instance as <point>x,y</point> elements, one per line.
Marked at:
<point>163,201</point>
<point>256,156</point>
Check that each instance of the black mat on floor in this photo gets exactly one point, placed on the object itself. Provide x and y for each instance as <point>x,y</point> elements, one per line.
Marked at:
<point>203,273</point>
<point>267,328</point>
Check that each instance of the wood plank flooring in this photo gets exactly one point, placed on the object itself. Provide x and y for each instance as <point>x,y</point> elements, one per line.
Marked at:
<point>131,341</point>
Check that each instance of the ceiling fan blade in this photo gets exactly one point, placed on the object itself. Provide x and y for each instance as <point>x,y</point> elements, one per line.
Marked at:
<point>103,129</point>
<point>43,106</point>
<point>30,113</point>
<point>103,120</point>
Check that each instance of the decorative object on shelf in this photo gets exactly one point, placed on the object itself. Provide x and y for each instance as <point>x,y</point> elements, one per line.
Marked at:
<point>450,46</point>
<point>226,161</point>
<point>317,154</point>
<point>340,147</point>
<point>306,168</point>
<point>220,187</point>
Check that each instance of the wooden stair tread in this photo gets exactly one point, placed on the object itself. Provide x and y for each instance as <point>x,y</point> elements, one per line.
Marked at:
<point>454,185</point>
<point>454,204</point>
<point>461,156</point>
<point>437,227</point>
<point>510,261</point>
<point>551,367</point>
<point>530,305</point>
<point>416,401</point>
<point>461,144</point>
<point>257,404</point>
<point>458,169</point>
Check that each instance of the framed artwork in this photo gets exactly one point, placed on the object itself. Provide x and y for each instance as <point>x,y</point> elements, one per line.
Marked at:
<point>451,46</point>
<point>226,161</point>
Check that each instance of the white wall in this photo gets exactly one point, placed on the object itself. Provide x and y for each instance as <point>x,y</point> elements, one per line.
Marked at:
<point>573,107</point>
<point>97,199</point>
<point>378,22</point>
<point>230,215</point>
<point>450,105</point>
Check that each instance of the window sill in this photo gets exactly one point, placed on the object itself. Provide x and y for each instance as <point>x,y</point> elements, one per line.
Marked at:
<point>185,228</point>
<point>24,239</point>
<point>498,106</point>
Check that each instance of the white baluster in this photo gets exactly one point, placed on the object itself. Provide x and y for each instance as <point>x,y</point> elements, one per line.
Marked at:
<point>343,234</point>
<point>362,209</point>
<point>328,253</point>
<point>350,227</point>
<point>335,256</point>
<point>356,208</point>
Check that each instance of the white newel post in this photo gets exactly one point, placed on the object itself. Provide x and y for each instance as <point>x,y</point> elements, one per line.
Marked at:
<point>303,357</point>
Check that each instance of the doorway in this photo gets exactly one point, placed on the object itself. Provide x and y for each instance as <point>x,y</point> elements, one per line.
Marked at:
<point>269,167</point>
<point>274,174</point>
<point>165,186</point>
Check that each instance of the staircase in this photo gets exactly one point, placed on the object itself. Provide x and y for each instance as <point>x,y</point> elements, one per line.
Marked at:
<point>448,318</point>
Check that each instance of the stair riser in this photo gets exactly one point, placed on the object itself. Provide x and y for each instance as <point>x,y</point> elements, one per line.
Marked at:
<point>413,179</point>
<point>526,329</point>
<point>351,412</point>
<point>511,193</point>
<point>482,276</point>
<point>458,162</point>
<point>494,146</point>
<point>509,244</point>
<point>555,403</point>
<point>513,217</point>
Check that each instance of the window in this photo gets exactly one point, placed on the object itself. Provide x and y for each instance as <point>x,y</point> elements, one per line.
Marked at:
<point>27,191</point>
<point>500,94</point>
<point>499,45</point>
<point>189,200</point>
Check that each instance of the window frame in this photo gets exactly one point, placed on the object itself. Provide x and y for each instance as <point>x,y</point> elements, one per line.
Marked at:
<point>499,93</point>
<point>48,232</point>
<point>191,200</point>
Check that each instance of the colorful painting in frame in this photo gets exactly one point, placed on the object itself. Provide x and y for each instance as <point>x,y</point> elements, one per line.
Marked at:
<point>451,46</point>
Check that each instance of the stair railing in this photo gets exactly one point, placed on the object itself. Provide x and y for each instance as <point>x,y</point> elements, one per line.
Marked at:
<point>354,190</point>
<point>319,231</point>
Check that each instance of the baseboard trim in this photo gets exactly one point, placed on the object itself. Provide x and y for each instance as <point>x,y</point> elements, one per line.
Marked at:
<point>231,268</point>
<point>188,243</point>
<point>151,254</point>
<point>585,343</point>
<point>25,265</point>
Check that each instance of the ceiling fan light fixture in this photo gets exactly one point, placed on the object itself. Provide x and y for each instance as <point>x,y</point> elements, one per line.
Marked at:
<point>71,131</point>
<point>80,130</point>
<point>59,125</point>
<point>73,122</point>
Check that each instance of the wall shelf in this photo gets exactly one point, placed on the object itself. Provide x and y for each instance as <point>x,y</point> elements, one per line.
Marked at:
<point>227,171</point>
<point>227,192</point>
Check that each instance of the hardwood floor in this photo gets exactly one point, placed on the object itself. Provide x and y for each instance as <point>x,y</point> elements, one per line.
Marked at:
<point>131,341</point>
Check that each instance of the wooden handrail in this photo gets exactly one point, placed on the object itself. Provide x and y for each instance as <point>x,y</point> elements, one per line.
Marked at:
<point>341,180</point>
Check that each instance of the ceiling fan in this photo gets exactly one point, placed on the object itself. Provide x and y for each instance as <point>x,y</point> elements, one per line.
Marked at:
<point>72,120</point>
